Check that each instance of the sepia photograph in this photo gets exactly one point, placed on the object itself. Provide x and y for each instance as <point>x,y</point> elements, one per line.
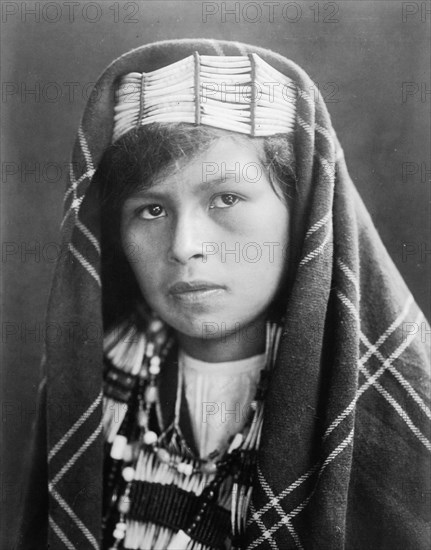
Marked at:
<point>215,275</point>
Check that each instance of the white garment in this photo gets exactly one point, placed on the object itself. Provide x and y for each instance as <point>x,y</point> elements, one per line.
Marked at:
<point>218,397</point>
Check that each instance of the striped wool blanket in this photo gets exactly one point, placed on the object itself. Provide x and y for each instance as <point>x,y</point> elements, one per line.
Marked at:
<point>345,451</point>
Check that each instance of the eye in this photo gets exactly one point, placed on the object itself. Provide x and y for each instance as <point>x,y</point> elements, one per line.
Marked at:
<point>225,201</point>
<point>152,212</point>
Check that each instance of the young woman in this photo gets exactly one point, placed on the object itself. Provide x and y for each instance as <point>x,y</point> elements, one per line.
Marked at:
<point>240,375</point>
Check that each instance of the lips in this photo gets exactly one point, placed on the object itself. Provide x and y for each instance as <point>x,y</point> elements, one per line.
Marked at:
<point>184,287</point>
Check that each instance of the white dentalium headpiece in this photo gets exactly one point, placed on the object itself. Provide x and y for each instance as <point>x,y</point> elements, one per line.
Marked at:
<point>238,93</point>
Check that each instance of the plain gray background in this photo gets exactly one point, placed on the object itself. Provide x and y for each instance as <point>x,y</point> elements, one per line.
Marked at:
<point>359,62</point>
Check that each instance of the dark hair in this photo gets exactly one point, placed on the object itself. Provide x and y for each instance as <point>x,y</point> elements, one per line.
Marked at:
<point>134,161</point>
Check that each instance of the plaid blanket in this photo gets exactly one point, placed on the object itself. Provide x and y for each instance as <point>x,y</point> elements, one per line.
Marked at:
<point>344,459</point>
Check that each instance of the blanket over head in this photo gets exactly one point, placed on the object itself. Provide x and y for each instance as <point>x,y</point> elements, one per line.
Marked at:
<point>344,457</point>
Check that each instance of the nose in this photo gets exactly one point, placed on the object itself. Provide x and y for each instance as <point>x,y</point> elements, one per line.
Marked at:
<point>186,237</point>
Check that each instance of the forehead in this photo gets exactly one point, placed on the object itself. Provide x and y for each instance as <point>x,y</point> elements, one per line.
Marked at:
<point>227,157</point>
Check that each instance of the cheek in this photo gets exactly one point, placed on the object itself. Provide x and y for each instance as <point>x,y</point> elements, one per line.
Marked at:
<point>269,227</point>
<point>278,221</point>
<point>264,251</point>
<point>260,270</point>
<point>143,255</point>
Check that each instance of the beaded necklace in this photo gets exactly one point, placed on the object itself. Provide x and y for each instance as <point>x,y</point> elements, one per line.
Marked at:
<point>157,493</point>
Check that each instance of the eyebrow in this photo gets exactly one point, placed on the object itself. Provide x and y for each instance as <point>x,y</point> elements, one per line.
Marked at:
<point>152,187</point>
<point>236,177</point>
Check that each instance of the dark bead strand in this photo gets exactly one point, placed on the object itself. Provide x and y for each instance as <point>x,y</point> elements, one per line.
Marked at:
<point>158,496</point>
<point>209,530</point>
<point>185,508</point>
<point>166,502</point>
<point>214,529</point>
<point>117,383</point>
<point>114,482</point>
<point>235,467</point>
<point>151,501</point>
<point>246,473</point>
<point>206,527</point>
<point>135,498</point>
<point>146,493</point>
<point>175,510</point>
<point>209,494</point>
<point>110,469</point>
<point>127,425</point>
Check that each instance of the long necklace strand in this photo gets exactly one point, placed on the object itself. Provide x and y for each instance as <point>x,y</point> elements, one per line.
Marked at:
<point>157,494</point>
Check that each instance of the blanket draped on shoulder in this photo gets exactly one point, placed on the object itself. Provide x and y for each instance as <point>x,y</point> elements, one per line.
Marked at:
<point>345,452</point>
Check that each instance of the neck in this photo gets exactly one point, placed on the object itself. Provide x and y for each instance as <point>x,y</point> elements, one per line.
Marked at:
<point>247,341</point>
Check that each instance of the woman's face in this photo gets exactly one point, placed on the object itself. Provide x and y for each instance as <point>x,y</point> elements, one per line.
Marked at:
<point>207,241</point>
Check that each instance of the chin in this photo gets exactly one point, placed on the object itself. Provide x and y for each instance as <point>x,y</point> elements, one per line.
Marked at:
<point>202,328</point>
<point>208,327</point>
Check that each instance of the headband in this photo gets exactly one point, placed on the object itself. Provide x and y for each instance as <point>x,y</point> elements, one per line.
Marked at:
<point>238,93</point>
